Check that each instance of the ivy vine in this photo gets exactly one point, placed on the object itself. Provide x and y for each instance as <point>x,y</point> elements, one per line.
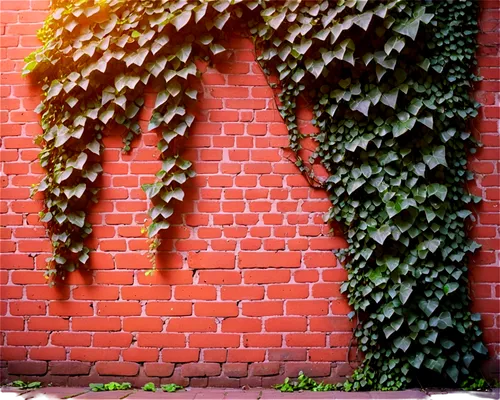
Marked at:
<point>390,82</point>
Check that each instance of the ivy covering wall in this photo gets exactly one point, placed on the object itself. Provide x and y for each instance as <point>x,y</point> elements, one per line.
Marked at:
<point>390,85</point>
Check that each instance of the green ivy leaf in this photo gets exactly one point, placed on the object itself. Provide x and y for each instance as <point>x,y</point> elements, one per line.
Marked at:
<point>436,157</point>
<point>381,234</point>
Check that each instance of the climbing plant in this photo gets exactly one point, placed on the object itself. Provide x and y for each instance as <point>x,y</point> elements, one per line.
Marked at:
<point>390,85</point>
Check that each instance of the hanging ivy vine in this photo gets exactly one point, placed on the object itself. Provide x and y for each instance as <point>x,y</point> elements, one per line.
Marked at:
<point>390,82</point>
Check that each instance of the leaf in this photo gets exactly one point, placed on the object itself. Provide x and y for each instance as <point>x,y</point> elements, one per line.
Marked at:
<point>157,66</point>
<point>77,162</point>
<point>361,105</point>
<point>216,48</point>
<point>221,20</point>
<point>77,218</point>
<point>480,348</point>
<point>363,20</point>
<point>428,306</point>
<point>390,98</point>
<point>437,157</point>
<point>435,364</point>
<point>298,75</point>
<point>416,360</point>
<point>161,98</point>
<point>137,57</point>
<point>402,343</point>
<point>438,190</point>
<point>94,147</point>
<point>75,191</point>
<point>159,43</point>
<point>404,292</point>
<point>55,89</point>
<point>381,234</point>
<point>122,81</point>
<point>443,321</point>
<point>183,164</point>
<point>181,20</point>
<point>153,189</point>
<point>177,194</point>
<point>453,373</point>
<point>394,43</point>
<point>161,209</point>
<point>174,88</point>
<point>354,185</point>
<point>408,28</point>
<point>156,227</point>
<point>276,21</point>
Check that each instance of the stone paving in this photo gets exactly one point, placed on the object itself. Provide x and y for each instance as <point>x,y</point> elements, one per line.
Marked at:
<point>234,394</point>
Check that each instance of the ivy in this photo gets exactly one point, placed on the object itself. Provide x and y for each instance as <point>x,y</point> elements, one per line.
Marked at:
<point>389,83</point>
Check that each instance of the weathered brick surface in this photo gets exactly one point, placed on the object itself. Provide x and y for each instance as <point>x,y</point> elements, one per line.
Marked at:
<point>247,289</point>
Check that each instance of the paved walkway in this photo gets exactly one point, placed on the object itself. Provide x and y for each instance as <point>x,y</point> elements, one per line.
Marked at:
<point>7,393</point>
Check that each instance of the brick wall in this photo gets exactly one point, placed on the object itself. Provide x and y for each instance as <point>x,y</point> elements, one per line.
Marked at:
<point>248,289</point>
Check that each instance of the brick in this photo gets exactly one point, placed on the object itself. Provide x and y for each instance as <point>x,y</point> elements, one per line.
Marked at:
<point>169,308</point>
<point>140,355</point>
<point>330,324</point>
<point>216,340</point>
<point>305,340</point>
<point>215,355</point>
<point>180,355</point>
<point>235,370</point>
<point>242,293</point>
<point>161,340</point>
<point>96,324</point>
<point>120,368</point>
<point>200,369</point>
<point>307,307</point>
<point>96,293</point>
<point>309,369</point>
<point>330,355</point>
<point>146,293</point>
<point>121,339</point>
<point>289,291</point>
<point>326,290</point>
<point>27,338</point>
<point>195,293</point>
<point>262,340</point>
<point>266,276</point>
<point>162,370</point>
<point>262,308</point>
<point>25,308</point>
<point>27,367</point>
<point>265,369</point>
<point>220,277</point>
<point>12,323</point>
<point>70,339</point>
<point>211,260</point>
<point>94,354</point>
<point>286,324</point>
<point>219,309</point>
<point>241,325</point>
<point>269,260</point>
<point>245,355</point>
<point>188,324</point>
<point>12,353</point>
<point>71,308</point>
<point>69,368</point>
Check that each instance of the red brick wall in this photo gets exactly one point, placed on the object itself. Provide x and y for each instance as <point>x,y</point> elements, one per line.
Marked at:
<point>485,265</point>
<point>248,290</point>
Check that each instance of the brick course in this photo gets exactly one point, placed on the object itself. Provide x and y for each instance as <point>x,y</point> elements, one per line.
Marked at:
<point>247,289</point>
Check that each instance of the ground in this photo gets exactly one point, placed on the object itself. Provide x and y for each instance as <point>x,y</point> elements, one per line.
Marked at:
<point>233,394</point>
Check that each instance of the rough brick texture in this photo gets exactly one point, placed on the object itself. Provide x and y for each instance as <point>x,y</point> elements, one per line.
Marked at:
<point>248,290</point>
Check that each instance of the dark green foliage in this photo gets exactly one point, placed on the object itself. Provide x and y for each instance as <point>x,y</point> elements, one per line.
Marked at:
<point>26,385</point>
<point>103,387</point>
<point>389,82</point>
